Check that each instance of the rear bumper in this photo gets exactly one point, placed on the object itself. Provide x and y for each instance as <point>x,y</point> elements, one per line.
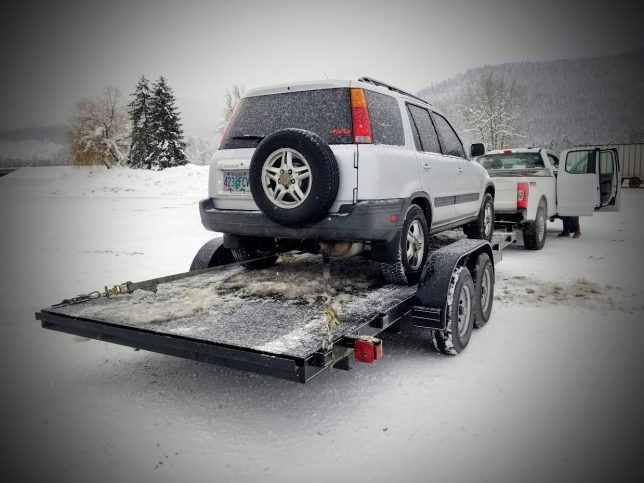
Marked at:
<point>364,221</point>
<point>512,216</point>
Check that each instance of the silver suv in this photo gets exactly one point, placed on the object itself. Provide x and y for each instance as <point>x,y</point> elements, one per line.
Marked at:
<point>343,168</point>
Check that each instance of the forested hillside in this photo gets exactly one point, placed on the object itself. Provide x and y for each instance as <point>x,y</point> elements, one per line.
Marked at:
<point>565,102</point>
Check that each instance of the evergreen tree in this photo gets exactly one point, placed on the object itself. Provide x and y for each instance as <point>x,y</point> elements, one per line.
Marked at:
<point>167,149</point>
<point>142,136</point>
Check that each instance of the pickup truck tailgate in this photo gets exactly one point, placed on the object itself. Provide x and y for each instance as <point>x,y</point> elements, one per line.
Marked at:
<point>505,198</point>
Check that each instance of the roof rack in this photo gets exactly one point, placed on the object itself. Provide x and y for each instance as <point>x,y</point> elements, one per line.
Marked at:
<point>373,81</point>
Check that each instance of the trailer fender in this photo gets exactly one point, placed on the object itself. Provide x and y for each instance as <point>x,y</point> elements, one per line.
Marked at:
<point>212,254</point>
<point>430,304</point>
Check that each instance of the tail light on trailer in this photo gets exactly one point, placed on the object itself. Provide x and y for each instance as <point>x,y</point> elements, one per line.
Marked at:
<point>368,349</point>
<point>522,195</point>
<point>360,116</point>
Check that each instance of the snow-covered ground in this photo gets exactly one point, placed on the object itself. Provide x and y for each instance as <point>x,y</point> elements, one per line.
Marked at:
<point>549,390</point>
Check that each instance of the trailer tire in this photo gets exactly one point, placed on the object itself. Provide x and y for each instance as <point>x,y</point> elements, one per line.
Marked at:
<point>634,182</point>
<point>212,254</point>
<point>460,314</point>
<point>248,253</point>
<point>483,227</point>
<point>483,275</point>
<point>534,232</point>
<point>405,270</point>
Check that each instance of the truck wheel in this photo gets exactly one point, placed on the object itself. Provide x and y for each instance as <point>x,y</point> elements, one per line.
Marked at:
<point>247,253</point>
<point>294,177</point>
<point>483,275</point>
<point>212,254</point>
<point>534,232</point>
<point>634,182</point>
<point>461,305</point>
<point>483,227</point>
<point>412,245</point>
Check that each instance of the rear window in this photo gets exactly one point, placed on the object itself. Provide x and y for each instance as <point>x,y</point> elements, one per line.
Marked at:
<point>512,161</point>
<point>385,119</point>
<point>326,112</point>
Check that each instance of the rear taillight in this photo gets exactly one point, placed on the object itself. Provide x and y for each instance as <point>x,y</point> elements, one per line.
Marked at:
<point>232,116</point>
<point>507,151</point>
<point>360,116</point>
<point>522,195</point>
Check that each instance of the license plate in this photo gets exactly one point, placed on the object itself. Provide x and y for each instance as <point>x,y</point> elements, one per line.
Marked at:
<point>236,182</point>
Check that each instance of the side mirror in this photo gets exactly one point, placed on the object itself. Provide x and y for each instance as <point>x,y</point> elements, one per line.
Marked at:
<point>477,149</point>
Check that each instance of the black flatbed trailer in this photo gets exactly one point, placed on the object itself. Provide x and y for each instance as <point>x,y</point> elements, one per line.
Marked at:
<point>283,321</point>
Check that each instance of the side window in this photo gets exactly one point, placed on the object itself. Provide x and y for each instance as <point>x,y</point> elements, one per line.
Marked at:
<point>451,144</point>
<point>386,122</point>
<point>606,162</point>
<point>554,161</point>
<point>580,162</point>
<point>428,139</point>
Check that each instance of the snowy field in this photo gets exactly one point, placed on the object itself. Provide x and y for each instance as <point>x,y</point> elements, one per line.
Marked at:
<point>549,390</point>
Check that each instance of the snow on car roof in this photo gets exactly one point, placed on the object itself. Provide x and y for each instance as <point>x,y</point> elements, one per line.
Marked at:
<point>297,86</point>
<point>329,84</point>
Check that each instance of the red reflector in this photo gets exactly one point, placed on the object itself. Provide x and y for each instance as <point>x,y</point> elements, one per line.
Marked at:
<point>368,350</point>
<point>340,132</point>
<point>394,217</point>
<point>523,191</point>
<point>507,151</point>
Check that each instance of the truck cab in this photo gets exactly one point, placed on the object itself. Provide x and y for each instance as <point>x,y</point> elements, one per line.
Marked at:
<point>535,184</point>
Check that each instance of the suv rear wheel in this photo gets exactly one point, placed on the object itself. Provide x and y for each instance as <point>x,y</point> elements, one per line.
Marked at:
<point>412,249</point>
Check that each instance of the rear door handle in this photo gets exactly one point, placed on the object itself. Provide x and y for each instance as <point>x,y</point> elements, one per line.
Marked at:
<point>426,166</point>
<point>460,169</point>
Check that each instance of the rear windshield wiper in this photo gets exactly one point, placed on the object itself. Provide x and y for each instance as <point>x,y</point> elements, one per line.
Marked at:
<point>249,136</point>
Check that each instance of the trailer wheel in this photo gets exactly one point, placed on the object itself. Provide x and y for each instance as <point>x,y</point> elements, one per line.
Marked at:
<point>248,253</point>
<point>412,242</point>
<point>483,275</point>
<point>483,227</point>
<point>634,182</point>
<point>534,233</point>
<point>461,305</point>
<point>212,254</point>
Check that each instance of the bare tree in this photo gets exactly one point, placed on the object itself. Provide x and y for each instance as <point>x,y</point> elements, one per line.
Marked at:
<point>199,150</point>
<point>493,106</point>
<point>99,130</point>
<point>231,97</point>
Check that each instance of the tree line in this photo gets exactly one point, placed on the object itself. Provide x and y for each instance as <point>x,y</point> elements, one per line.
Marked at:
<point>146,133</point>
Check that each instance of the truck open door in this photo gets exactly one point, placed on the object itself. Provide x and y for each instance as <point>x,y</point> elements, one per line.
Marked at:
<point>588,181</point>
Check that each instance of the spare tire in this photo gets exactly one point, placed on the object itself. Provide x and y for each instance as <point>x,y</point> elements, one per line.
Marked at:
<point>294,177</point>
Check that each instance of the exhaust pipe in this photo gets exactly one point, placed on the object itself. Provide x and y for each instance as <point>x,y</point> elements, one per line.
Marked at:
<point>342,248</point>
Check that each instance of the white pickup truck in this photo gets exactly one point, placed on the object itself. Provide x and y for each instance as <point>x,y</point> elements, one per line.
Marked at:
<point>532,186</point>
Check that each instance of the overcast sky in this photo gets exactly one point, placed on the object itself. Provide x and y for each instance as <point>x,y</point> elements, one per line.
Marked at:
<point>55,52</point>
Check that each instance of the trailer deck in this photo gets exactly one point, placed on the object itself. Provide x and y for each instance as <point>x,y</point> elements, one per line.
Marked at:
<point>280,310</point>
<point>285,321</point>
